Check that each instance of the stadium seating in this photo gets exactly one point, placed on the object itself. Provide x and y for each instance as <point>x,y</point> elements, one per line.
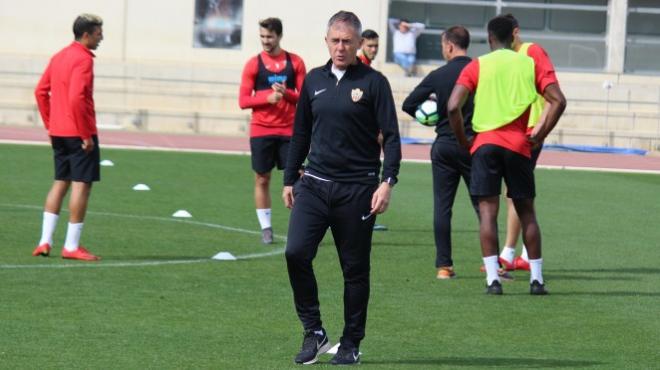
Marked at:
<point>203,99</point>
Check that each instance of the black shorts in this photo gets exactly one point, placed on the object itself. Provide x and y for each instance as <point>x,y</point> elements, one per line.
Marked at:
<point>269,151</point>
<point>492,163</point>
<point>71,161</point>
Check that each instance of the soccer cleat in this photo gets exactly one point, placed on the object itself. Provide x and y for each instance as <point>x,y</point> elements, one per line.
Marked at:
<point>346,356</point>
<point>313,346</point>
<point>536,288</point>
<point>42,250</point>
<point>520,264</point>
<point>79,254</point>
<point>504,274</point>
<point>445,272</point>
<point>495,288</point>
<point>267,235</point>
<point>506,265</point>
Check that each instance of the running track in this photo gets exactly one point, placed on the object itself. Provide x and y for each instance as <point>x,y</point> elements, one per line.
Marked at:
<point>147,140</point>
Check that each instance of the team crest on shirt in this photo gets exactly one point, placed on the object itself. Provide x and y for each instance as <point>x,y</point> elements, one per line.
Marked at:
<point>356,95</point>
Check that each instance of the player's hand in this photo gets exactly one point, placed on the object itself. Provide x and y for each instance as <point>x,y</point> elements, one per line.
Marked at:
<point>381,198</point>
<point>535,141</point>
<point>287,196</point>
<point>88,145</point>
<point>278,87</point>
<point>274,97</point>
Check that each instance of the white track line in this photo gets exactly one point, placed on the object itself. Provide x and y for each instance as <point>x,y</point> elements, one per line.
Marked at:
<point>147,263</point>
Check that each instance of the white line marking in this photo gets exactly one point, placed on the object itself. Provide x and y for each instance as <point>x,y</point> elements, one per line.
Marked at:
<point>147,263</point>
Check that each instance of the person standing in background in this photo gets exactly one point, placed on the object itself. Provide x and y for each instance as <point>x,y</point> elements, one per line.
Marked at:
<point>368,47</point>
<point>66,103</point>
<point>270,86</point>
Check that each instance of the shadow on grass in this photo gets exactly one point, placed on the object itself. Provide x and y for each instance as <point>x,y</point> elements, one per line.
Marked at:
<point>625,270</point>
<point>486,362</point>
<point>607,294</point>
<point>553,276</point>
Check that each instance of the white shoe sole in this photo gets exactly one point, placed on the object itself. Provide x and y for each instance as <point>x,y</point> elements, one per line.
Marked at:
<point>324,348</point>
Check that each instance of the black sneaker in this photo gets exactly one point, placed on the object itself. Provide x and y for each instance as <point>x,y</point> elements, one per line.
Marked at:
<point>267,235</point>
<point>346,356</point>
<point>313,346</point>
<point>495,288</point>
<point>536,288</point>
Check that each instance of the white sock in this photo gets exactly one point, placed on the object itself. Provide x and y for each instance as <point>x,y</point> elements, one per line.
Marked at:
<point>491,269</point>
<point>508,253</point>
<point>73,236</point>
<point>523,254</point>
<point>263,214</point>
<point>48,228</point>
<point>536,270</point>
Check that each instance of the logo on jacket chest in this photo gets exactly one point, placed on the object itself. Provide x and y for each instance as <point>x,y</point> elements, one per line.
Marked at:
<point>356,95</point>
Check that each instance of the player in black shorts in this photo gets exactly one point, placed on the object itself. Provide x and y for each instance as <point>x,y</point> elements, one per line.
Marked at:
<point>65,100</point>
<point>270,86</point>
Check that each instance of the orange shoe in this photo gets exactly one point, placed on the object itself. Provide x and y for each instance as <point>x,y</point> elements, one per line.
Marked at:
<point>42,250</point>
<point>445,272</point>
<point>79,254</point>
<point>520,264</point>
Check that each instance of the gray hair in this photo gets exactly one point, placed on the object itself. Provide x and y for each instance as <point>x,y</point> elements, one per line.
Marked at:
<point>348,18</point>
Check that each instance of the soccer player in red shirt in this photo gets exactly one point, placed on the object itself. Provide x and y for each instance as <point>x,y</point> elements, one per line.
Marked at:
<point>502,148</point>
<point>65,99</point>
<point>368,47</point>
<point>270,86</point>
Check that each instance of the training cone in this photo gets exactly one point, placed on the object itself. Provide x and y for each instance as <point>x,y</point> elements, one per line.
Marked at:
<point>224,256</point>
<point>107,163</point>
<point>182,213</point>
<point>141,187</point>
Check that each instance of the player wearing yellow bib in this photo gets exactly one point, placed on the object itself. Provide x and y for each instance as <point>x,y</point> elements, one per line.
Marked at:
<point>505,84</point>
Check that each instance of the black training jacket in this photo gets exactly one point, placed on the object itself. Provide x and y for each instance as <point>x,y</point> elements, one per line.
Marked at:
<point>337,124</point>
<point>441,82</point>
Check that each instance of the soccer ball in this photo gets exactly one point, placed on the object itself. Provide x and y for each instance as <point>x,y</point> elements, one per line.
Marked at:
<point>427,113</point>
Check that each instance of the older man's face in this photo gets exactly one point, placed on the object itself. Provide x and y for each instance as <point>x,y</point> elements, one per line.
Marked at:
<point>343,42</point>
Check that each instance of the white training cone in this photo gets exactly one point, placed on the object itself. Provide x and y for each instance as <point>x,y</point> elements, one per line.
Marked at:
<point>224,256</point>
<point>107,163</point>
<point>182,213</point>
<point>141,187</point>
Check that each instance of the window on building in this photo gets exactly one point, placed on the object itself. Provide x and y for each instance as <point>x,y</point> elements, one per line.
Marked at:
<point>643,37</point>
<point>572,31</point>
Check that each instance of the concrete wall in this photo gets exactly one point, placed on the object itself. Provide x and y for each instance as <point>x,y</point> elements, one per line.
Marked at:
<point>162,31</point>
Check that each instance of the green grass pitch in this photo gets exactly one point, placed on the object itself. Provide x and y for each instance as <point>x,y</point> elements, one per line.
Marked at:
<point>601,244</point>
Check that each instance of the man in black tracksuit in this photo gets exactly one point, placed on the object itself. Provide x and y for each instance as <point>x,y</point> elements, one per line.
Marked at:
<point>342,108</point>
<point>449,161</point>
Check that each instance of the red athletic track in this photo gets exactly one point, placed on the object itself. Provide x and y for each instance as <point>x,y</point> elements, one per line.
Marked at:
<point>634,163</point>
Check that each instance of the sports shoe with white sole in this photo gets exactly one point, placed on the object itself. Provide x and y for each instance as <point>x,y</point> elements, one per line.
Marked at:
<point>267,235</point>
<point>346,356</point>
<point>313,345</point>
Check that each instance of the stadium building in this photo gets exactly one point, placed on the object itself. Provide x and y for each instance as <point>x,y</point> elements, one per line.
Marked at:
<point>175,66</point>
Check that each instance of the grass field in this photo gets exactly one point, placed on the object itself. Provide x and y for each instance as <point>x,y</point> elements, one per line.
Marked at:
<point>136,310</point>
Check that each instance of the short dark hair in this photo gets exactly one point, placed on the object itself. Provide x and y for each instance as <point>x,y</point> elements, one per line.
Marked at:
<point>86,23</point>
<point>457,35</point>
<point>513,19</point>
<point>501,28</point>
<point>272,25</point>
<point>349,18</point>
<point>369,34</point>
